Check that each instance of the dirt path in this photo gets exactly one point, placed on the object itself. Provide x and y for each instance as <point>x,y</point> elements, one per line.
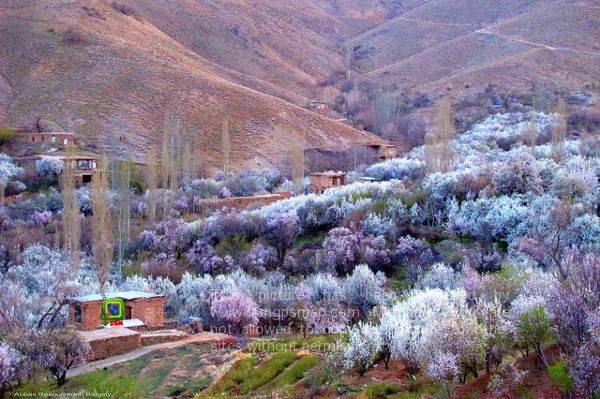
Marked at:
<point>485,31</point>
<point>519,40</point>
<point>439,23</point>
<point>205,337</point>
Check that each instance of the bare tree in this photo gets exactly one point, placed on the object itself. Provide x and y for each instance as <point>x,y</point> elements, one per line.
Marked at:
<point>348,62</point>
<point>532,132</point>
<point>102,239</point>
<point>152,183</point>
<point>225,146</point>
<point>71,222</point>
<point>122,185</point>
<point>559,132</point>
<point>544,97</point>
<point>439,152</point>
<point>171,157</point>
<point>385,110</point>
<point>298,163</point>
<point>165,163</point>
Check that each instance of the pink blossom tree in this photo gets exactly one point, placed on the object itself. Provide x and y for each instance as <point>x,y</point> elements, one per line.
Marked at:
<point>14,367</point>
<point>57,352</point>
<point>280,232</point>
<point>235,311</point>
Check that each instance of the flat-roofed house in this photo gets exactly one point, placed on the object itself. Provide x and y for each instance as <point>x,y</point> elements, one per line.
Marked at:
<point>141,309</point>
<point>60,139</point>
<point>84,164</point>
<point>321,181</point>
<point>384,151</point>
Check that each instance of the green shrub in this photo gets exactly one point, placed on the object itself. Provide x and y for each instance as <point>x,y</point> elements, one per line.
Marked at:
<point>6,134</point>
<point>233,245</point>
<point>561,377</point>
<point>380,391</point>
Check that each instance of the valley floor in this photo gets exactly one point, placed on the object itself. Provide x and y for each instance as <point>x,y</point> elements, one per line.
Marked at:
<point>290,367</point>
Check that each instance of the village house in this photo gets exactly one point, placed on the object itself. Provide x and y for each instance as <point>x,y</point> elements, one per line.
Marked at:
<point>319,104</point>
<point>321,181</point>
<point>142,310</point>
<point>59,139</point>
<point>84,164</point>
<point>384,151</point>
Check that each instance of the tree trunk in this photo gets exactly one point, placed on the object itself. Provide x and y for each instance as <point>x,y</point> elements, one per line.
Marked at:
<point>62,379</point>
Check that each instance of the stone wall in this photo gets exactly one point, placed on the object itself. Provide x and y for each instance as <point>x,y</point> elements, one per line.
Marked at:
<point>205,205</point>
<point>110,342</point>
<point>163,336</point>
<point>56,138</point>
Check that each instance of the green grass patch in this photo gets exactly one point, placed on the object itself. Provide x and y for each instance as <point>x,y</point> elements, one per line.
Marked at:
<point>234,377</point>
<point>145,377</point>
<point>380,391</point>
<point>316,238</point>
<point>103,382</point>
<point>312,343</point>
<point>267,371</point>
<point>294,373</point>
<point>409,389</point>
<point>188,387</point>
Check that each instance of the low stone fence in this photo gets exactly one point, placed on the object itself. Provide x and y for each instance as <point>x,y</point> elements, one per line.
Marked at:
<point>163,336</point>
<point>111,341</point>
<point>205,205</point>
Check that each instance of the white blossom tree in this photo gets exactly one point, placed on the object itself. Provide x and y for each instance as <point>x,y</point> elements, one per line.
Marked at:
<point>364,342</point>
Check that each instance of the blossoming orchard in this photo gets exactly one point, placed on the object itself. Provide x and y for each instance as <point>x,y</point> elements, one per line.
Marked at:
<point>488,270</point>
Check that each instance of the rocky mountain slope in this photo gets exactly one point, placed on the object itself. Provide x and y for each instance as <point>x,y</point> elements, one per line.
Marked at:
<point>109,73</point>
<point>481,42</point>
<point>120,72</point>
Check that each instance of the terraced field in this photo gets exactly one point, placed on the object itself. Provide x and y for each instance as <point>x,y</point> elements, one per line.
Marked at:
<point>181,372</point>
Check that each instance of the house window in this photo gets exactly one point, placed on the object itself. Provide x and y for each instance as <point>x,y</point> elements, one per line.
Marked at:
<point>53,139</point>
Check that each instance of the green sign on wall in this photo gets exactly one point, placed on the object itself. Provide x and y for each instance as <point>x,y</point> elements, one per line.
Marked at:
<point>113,312</point>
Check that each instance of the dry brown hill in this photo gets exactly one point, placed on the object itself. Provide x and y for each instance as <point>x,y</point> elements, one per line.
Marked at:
<point>107,73</point>
<point>508,43</point>
<point>467,47</point>
<point>108,69</point>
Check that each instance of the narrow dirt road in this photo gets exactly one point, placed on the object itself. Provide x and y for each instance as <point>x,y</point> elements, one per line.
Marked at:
<point>205,337</point>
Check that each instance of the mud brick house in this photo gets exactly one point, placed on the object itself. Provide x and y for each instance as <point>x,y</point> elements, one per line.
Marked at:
<point>319,104</point>
<point>59,139</point>
<point>142,309</point>
<point>84,164</point>
<point>384,151</point>
<point>321,181</point>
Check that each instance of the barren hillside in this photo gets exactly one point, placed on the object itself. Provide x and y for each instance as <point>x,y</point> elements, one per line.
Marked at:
<point>112,71</point>
<point>109,75</point>
<point>482,42</point>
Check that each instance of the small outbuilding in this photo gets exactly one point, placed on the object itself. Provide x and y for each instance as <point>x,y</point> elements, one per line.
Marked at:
<point>384,151</point>
<point>142,309</point>
<point>321,181</point>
